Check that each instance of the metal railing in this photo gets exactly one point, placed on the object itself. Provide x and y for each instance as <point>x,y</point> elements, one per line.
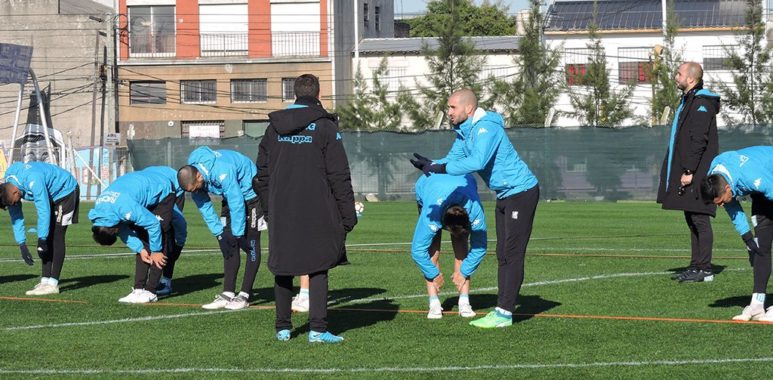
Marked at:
<point>223,44</point>
<point>295,44</point>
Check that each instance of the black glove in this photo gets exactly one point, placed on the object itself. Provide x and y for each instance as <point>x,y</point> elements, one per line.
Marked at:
<point>25,254</point>
<point>244,244</point>
<point>434,168</point>
<point>420,162</point>
<point>751,246</point>
<point>255,184</point>
<point>228,243</point>
<point>42,248</point>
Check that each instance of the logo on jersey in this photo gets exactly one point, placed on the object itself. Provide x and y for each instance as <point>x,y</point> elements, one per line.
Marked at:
<point>128,216</point>
<point>108,197</point>
<point>32,184</point>
<point>757,183</point>
<point>744,159</point>
<point>702,109</point>
<point>222,177</point>
<point>434,227</point>
<point>312,127</point>
<point>295,139</point>
<point>482,131</point>
<point>476,222</point>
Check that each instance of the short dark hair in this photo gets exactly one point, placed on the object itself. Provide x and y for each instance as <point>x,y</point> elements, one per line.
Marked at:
<point>4,195</point>
<point>186,176</point>
<point>712,187</point>
<point>306,85</point>
<point>456,220</point>
<point>104,235</point>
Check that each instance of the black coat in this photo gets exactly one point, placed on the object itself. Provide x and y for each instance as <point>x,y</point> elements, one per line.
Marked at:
<point>305,190</point>
<point>695,146</point>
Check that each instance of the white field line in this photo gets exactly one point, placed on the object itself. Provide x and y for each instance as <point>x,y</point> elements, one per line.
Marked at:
<point>125,320</point>
<point>153,371</point>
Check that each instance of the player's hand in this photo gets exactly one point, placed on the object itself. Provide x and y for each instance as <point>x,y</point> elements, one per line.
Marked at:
<point>420,162</point>
<point>752,246</point>
<point>459,280</point>
<point>438,282</point>
<point>228,244</point>
<point>434,168</point>
<point>42,248</point>
<point>25,254</point>
<point>686,179</point>
<point>145,256</point>
<point>157,259</point>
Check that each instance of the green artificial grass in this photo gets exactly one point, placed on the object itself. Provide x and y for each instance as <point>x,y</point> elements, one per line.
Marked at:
<point>597,302</point>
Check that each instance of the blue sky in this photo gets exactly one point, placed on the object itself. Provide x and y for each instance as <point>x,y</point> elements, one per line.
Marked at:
<point>420,6</point>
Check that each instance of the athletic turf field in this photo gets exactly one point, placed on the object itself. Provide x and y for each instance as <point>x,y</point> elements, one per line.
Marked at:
<point>597,302</point>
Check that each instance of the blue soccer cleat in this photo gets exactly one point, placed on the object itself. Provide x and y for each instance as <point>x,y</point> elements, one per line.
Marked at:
<point>325,337</point>
<point>283,335</point>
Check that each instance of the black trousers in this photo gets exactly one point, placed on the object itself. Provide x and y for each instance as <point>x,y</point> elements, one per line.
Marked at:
<point>514,217</point>
<point>147,276</point>
<point>762,218</point>
<point>701,240</point>
<point>171,253</point>
<point>283,293</point>
<point>252,259</point>
<point>63,213</point>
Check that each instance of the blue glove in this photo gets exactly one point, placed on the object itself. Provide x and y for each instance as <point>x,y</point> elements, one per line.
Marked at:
<point>752,248</point>
<point>42,248</point>
<point>25,254</point>
<point>228,244</point>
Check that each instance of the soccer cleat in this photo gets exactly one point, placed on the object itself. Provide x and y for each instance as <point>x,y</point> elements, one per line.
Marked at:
<point>283,335</point>
<point>435,311</point>
<point>145,297</point>
<point>751,313</point>
<point>43,289</point>
<point>237,303</point>
<point>300,304</point>
<point>164,289</point>
<point>465,310</point>
<point>696,275</point>
<point>131,297</point>
<point>768,317</point>
<point>325,337</point>
<point>493,320</point>
<point>221,300</point>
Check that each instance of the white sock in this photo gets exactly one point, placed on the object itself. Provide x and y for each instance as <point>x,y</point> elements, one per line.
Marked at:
<point>503,312</point>
<point>434,301</point>
<point>245,295</point>
<point>303,293</point>
<point>52,281</point>
<point>758,299</point>
<point>229,294</point>
<point>44,280</point>
<point>464,299</point>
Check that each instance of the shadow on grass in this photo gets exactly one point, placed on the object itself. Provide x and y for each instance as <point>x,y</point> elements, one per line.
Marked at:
<point>16,278</point>
<point>86,281</point>
<point>717,269</point>
<point>194,283</point>
<point>738,301</point>
<point>361,315</point>
<point>528,306</point>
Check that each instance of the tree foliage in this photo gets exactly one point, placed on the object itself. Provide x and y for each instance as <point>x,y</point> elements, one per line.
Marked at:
<point>471,20</point>
<point>371,109</point>
<point>596,103</point>
<point>665,64</point>
<point>751,94</point>
<point>527,97</point>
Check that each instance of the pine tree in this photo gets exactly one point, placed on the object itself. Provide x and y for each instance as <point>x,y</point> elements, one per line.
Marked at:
<point>597,104</point>
<point>371,109</point>
<point>665,64</point>
<point>751,94</point>
<point>453,65</point>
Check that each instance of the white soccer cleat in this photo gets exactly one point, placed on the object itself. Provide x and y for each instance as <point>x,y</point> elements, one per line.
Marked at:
<point>465,310</point>
<point>221,300</point>
<point>35,289</point>
<point>300,304</point>
<point>42,289</point>
<point>145,296</point>
<point>131,297</point>
<point>751,313</point>
<point>237,303</point>
<point>435,312</point>
<point>768,317</point>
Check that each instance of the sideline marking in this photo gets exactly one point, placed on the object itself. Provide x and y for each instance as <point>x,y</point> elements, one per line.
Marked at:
<point>125,320</point>
<point>8,298</point>
<point>387,369</point>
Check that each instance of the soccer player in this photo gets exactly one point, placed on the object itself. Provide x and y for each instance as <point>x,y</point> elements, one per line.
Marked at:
<point>743,172</point>
<point>451,203</point>
<point>55,194</point>
<point>229,174</point>
<point>140,208</point>
<point>482,146</point>
<point>306,191</point>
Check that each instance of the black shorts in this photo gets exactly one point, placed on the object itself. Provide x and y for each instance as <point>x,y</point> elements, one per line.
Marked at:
<point>66,209</point>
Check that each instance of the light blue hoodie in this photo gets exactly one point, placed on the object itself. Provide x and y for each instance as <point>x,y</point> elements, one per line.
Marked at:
<point>436,194</point>
<point>43,184</point>
<point>482,146</point>
<point>126,201</point>
<point>179,224</point>
<point>229,174</point>
<point>748,170</point>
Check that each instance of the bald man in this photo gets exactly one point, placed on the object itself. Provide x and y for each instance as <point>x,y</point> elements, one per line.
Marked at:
<point>482,146</point>
<point>693,143</point>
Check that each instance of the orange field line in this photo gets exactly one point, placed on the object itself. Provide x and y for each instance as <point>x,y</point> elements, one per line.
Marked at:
<point>40,300</point>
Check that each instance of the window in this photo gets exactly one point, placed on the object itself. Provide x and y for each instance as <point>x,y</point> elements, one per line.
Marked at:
<point>223,29</point>
<point>575,65</point>
<point>147,92</point>
<point>152,31</point>
<point>365,16</point>
<point>716,57</point>
<point>634,65</point>
<point>288,90</point>
<point>295,30</point>
<point>198,91</point>
<point>249,90</point>
<point>378,19</point>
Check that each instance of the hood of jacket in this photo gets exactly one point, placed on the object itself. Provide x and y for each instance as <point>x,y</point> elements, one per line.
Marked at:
<point>102,217</point>
<point>298,116</point>
<point>713,98</point>
<point>203,159</point>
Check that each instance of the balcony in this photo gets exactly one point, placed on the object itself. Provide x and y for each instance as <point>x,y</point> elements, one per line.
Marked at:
<point>295,44</point>
<point>223,44</point>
